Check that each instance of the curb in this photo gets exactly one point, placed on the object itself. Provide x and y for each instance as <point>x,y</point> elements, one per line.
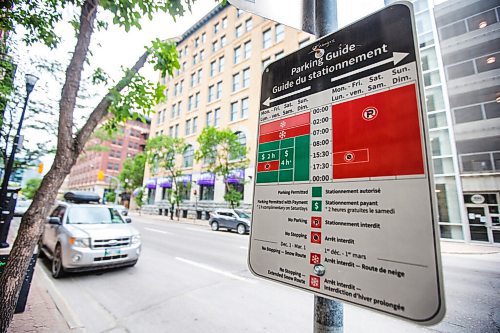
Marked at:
<point>72,320</point>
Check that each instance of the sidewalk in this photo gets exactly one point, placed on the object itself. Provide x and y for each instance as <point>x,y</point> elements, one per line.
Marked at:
<point>47,312</point>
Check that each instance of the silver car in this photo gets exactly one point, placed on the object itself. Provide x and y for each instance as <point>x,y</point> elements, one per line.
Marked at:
<point>230,219</point>
<point>87,236</point>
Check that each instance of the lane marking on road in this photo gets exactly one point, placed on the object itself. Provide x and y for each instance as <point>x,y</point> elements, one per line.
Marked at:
<point>216,270</point>
<point>199,230</point>
<point>158,231</point>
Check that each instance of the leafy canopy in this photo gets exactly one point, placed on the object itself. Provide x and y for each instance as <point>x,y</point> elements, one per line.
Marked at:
<point>133,171</point>
<point>31,187</point>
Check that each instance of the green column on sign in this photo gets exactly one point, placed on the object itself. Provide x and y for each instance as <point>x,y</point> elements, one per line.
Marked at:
<point>301,158</point>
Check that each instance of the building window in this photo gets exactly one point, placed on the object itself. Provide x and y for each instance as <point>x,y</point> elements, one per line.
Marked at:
<point>237,54</point>
<point>197,99</point>
<point>202,55</point>
<point>190,103</point>
<point>280,32</point>
<point>239,31</point>
<point>247,49</point>
<point>248,24</point>
<point>203,37</point>
<point>236,82</point>
<point>221,64</point>
<point>195,59</point>
<point>266,62</point>
<point>193,79</point>
<point>219,90</point>
<point>187,130</point>
<point>244,108</point>
<point>267,38</point>
<point>196,42</point>
<point>212,68</point>
<point>234,111</point>
<point>223,41</point>
<point>176,131</point>
<point>242,140</point>
<point>195,125</point>
<point>216,117</point>
<point>216,27</point>
<point>246,77</point>
<point>179,108</point>
<point>224,23</point>
<point>215,46</point>
<point>206,192</point>
<point>279,55</point>
<point>239,12</point>
<point>188,157</point>
<point>172,112</point>
<point>199,75</point>
<point>211,93</point>
<point>208,119</point>
<point>303,42</point>
<point>171,131</point>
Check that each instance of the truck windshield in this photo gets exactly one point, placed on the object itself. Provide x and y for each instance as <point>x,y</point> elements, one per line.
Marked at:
<point>93,215</point>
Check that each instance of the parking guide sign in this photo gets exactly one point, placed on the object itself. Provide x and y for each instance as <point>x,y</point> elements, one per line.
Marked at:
<point>343,201</point>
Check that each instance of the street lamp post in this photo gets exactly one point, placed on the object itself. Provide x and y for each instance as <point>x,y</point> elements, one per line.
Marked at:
<point>5,215</point>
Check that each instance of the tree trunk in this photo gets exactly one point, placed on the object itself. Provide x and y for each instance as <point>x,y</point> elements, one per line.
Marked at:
<point>68,150</point>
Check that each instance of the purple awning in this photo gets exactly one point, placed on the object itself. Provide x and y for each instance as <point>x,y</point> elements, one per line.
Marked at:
<point>165,182</point>
<point>151,183</point>
<point>185,179</point>
<point>236,176</point>
<point>206,178</point>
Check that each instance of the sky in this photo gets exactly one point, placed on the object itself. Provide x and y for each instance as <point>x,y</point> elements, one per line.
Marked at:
<point>115,47</point>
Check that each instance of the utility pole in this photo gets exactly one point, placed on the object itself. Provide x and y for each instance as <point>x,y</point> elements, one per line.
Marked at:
<point>328,314</point>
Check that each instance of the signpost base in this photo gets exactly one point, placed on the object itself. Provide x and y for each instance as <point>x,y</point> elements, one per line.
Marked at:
<point>328,315</point>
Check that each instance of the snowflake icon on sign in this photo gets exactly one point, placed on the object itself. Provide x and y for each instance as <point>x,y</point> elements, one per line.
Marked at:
<point>314,282</point>
<point>283,124</point>
<point>315,258</point>
<point>282,134</point>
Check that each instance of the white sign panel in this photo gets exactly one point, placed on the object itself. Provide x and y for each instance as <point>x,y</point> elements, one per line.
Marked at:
<point>298,14</point>
<point>344,201</point>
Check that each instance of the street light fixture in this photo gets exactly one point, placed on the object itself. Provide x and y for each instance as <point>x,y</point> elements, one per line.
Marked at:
<point>6,214</point>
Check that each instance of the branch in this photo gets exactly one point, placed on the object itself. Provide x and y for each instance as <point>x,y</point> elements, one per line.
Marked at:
<point>101,109</point>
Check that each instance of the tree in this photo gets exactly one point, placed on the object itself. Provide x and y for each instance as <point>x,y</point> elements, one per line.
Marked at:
<point>223,154</point>
<point>110,196</point>
<point>132,173</point>
<point>131,94</point>
<point>31,187</point>
<point>163,152</point>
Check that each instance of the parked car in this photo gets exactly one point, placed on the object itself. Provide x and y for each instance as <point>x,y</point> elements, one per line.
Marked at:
<point>121,208</point>
<point>230,219</point>
<point>21,207</point>
<point>81,234</point>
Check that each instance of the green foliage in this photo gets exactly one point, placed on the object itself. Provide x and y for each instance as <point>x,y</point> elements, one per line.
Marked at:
<point>127,13</point>
<point>110,196</point>
<point>31,187</point>
<point>164,56</point>
<point>133,171</point>
<point>232,196</point>
<point>99,76</point>
<point>162,152</point>
<point>218,149</point>
<point>222,153</point>
<point>139,198</point>
<point>141,94</point>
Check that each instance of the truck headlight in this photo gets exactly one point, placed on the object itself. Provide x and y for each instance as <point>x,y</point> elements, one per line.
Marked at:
<point>79,242</point>
<point>136,239</point>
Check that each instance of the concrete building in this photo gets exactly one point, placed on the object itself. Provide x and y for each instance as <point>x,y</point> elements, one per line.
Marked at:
<point>222,57</point>
<point>469,35</point>
<point>108,159</point>
<point>228,48</point>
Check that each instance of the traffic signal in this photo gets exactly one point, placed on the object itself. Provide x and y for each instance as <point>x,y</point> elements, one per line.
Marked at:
<point>100,175</point>
<point>40,168</point>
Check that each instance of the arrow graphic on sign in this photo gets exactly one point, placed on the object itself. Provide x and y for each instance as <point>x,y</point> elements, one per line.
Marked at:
<point>269,100</point>
<point>396,58</point>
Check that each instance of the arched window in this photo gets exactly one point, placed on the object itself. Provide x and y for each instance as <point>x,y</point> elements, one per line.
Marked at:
<point>188,157</point>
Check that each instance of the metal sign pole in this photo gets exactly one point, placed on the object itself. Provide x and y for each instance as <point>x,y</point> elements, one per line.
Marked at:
<point>328,314</point>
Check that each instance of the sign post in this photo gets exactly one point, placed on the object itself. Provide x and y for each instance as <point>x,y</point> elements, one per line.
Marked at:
<point>343,201</point>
